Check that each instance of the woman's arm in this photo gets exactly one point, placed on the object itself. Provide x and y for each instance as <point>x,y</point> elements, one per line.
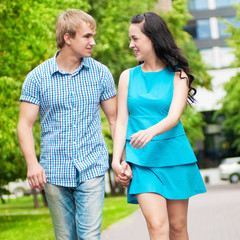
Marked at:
<point>180,94</point>
<point>121,124</point>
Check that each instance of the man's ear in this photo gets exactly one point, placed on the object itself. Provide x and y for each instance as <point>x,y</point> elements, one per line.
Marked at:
<point>67,38</point>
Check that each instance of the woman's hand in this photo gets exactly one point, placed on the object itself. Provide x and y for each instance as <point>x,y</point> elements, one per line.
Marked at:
<point>123,173</point>
<point>141,138</point>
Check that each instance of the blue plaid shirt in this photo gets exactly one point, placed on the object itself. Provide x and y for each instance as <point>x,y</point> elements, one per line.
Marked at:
<point>69,105</point>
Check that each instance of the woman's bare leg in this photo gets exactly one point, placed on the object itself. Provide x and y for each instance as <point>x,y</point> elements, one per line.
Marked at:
<point>177,215</point>
<point>154,208</point>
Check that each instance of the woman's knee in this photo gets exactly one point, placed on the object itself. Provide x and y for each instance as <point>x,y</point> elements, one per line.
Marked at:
<point>158,226</point>
<point>178,227</point>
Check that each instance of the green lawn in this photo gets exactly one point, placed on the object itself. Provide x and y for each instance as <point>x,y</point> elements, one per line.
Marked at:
<point>20,221</point>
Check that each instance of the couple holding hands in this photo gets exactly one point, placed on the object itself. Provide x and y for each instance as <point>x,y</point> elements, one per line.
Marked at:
<point>159,166</point>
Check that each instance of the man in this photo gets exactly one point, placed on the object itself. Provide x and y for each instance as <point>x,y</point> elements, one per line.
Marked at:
<point>68,90</point>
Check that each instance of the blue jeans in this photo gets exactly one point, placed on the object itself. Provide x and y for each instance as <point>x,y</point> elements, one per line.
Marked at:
<point>77,212</point>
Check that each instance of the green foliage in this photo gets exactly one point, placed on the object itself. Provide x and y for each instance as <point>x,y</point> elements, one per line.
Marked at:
<point>230,109</point>
<point>234,41</point>
<point>231,101</point>
<point>12,164</point>
<point>28,38</point>
<point>193,123</point>
<point>27,33</point>
<point>106,133</point>
<point>177,19</point>
<point>112,37</point>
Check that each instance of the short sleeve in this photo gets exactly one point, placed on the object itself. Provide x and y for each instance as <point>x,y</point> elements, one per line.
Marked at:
<point>108,85</point>
<point>30,90</point>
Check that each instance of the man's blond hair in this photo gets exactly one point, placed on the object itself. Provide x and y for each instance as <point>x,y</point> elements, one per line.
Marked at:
<point>69,22</point>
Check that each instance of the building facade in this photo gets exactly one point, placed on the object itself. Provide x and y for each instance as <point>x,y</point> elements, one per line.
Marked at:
<point>208,29</point>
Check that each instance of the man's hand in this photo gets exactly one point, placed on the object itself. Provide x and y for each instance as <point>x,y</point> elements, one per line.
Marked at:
<point>126,177</point>
<point>123,173</point>
<point>36,176</point>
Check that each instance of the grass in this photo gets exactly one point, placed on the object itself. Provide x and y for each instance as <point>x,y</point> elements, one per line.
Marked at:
<point>116,208</point>
<point>20,221</point>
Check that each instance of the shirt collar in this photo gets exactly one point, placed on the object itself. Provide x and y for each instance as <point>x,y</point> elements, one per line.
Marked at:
<point>84,64</point>
<point>55,69</point>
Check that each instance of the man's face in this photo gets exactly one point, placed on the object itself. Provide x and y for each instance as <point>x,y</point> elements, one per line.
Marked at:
<point>83,42</point>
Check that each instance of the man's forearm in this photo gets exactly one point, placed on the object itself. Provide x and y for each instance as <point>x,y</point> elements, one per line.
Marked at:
<point>26,143</point>
<point>35,174</point>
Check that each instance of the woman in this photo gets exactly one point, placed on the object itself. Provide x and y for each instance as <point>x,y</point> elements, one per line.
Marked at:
<point>152,98</point>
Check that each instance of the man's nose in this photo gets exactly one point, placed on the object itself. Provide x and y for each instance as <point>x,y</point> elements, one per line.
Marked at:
<point>93,43</point>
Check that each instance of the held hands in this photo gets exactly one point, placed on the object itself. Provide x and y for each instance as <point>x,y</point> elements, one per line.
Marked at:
<point>36,176</point>
<point>141,138</point>
<point>123,173</point>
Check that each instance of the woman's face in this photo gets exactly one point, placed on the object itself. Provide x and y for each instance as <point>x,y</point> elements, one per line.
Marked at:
<point>140,43</point>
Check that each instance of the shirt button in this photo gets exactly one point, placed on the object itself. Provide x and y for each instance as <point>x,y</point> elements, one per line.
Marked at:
<point>74,108</point>
<point>74,125</point>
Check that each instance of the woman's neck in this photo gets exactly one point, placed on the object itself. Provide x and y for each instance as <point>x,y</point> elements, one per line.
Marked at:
<point>153,65</point>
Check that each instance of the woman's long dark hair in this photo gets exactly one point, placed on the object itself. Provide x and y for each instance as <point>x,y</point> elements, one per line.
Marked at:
<point>165,47</point>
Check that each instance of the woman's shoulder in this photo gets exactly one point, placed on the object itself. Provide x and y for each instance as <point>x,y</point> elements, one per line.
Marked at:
<point>180,75</point>
<point>124,77</point>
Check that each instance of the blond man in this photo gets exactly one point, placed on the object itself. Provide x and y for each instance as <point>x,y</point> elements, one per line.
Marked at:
<point>68,90</point>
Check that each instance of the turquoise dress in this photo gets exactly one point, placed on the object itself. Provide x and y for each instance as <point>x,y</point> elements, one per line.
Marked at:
<point>167,164</point>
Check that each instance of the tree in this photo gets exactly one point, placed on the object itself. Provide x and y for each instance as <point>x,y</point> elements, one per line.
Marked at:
<point>176,20</point>
<point>230,110</point>
<point>27,33</point>
<point>231,101</point>
<point>112,37</point>
<point>27,39</point>
<point>11,163</point>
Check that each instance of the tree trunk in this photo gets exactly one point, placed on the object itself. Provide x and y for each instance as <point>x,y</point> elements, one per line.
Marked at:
<point>36,203</point>
<point>113,192</point>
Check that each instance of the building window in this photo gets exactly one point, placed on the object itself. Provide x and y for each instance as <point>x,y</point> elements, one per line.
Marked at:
<point>203,29</point>
<point>223,27</point>
<point>224,3</point>
<point>217,57</point>
<point>191,28</point>
<point>198,5</point>
<point>199,29</point>
<point>208,57</point>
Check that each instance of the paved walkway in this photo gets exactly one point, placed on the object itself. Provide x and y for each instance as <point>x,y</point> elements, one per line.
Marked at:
<point>214,215</point>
